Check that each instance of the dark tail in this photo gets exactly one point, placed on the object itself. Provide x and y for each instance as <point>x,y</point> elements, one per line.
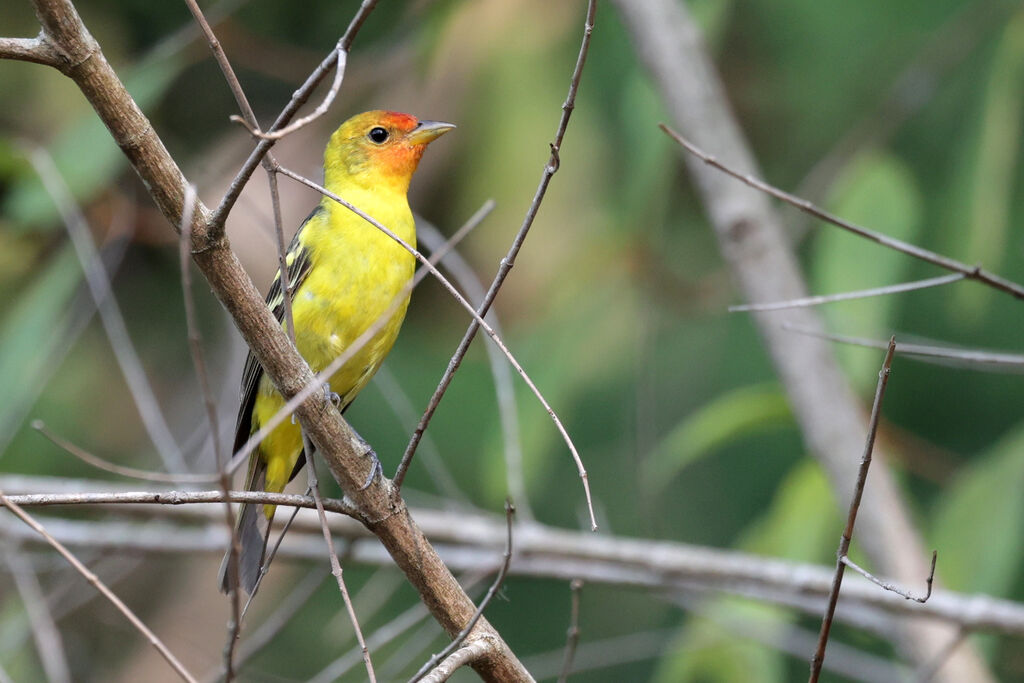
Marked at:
<point>252,529</point>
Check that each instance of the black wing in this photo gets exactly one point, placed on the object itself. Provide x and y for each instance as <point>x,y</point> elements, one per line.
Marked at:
<point>252,373</point>
<point>253,526</point>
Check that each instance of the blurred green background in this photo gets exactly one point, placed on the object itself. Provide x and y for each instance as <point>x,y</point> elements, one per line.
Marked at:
<point>904,117</point>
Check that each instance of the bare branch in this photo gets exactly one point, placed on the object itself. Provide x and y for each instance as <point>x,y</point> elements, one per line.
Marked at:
<point>469,542</point>
<point>38,50</point>
<point>195,345</point>
<point>110,313</point>
<point>464,655</point>
<point>387,633</point>
<point>283,613</point>
<point>321,109</point>
<point>967,357</point>
<point>44,627</point>
<point>846,296</point>
<point>971,272</point>
<point>336,570</point>
<point>907,595</point>
<point>381,506</point>
<point>298,99</point>
<point>572,637</point>
<point>134,473</point>
<point>100,586</point>
<point>763,263</point>
<point>504,388</point>
<point>550,168</point>
<point>851,519</point>
<point>491,592</point>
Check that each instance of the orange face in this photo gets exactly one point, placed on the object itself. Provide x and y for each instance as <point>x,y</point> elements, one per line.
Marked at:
<point>379,147</point>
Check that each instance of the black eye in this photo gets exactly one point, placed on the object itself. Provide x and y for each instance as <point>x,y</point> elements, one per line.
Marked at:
<point>378,134</point>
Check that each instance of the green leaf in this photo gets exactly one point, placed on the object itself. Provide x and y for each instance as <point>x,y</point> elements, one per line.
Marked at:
<point>31,334</point>
<point>879,192</point>
<point>710,649</point>
<point>802,523</point>
<point>989,181</point>
<point>733,415</point>
<point>980,518</point>
<point>85,154</point>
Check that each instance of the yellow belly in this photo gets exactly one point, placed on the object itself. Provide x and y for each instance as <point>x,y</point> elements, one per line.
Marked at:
<point>357,274</point>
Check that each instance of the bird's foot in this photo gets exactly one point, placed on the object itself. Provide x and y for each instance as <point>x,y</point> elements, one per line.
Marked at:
<point>332,396</point>
<point>375,469</point>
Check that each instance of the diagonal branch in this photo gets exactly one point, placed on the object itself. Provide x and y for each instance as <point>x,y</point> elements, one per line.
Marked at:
<point>550,168</point>
<point>970,272</point>
<point>858,492</point>
<point>100,586</point>
<point>381,507</point>
<point>752,241</point>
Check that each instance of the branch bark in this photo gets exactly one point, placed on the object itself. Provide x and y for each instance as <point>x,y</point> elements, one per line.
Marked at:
<point>472,542</point>
<point>764,265</point>
<point>382,510</point>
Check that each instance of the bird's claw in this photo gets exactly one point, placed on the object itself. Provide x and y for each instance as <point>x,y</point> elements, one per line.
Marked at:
<point>375,469</point>
<point>332,396</point>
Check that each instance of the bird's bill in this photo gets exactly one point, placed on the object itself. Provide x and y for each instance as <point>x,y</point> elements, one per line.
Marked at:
<point>428,130</point>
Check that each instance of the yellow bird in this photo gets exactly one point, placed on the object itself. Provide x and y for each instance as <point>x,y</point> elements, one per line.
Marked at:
<point>344,274</point>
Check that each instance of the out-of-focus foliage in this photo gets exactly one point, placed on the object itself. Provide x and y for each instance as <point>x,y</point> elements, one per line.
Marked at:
<point>616,306</point>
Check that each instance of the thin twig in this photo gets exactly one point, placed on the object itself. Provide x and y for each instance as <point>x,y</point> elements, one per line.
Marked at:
<point>467,654</point>
<point>282,248</point>
<point>504,387</point>
<point>550,168</point>
<point>851,519</point>
<point>606,652</point>
<point>401,405</point>
<point>100,586</point>
<point>970,272</point>
<point>38,50</point>
<point>572,636</point>
<point>132,472</point>
<point>846,296</point>
<point>314,486</point>
<point>912,90</point>
<point>181,498</point>
<point>499,580</point>
<point>384,635</point>
<point>195,345</point>
<point>52,352</point>
<point>321,109</point>
<point>893,588</point>
<point>110,314</point>
<point>44,628</point>
<point>283,613</point>
<point>777,630</point>
<point>967,357</point>
<point>268,161</point>
<point>480,322</point>
<point>299,98</point>
<point>272,554</point>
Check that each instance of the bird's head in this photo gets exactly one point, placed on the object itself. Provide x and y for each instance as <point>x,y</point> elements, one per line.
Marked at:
<point>378,148</point>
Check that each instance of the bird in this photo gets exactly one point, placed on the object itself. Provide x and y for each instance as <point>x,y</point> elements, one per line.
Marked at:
<point>343,274</point>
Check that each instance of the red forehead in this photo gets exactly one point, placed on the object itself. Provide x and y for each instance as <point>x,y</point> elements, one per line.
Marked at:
<point>405,122</point>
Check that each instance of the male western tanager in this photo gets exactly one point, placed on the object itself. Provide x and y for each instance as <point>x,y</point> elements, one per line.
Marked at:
<point>343,274</point>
